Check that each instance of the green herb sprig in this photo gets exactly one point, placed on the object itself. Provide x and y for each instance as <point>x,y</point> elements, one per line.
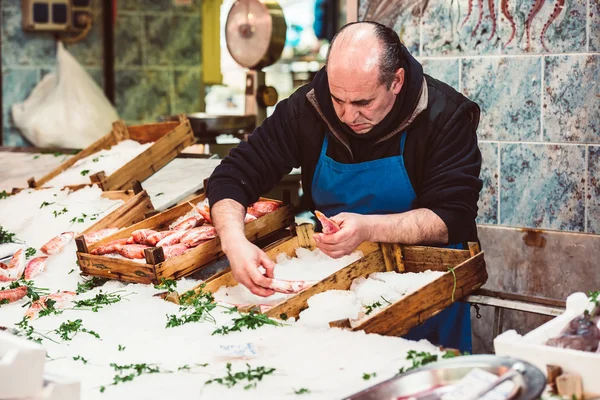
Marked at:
<point>91,283</point>
<point>85,172</point>
<point>251,375</point>
<point>377,304</point>
<point>68,330</point>
<point>197,307</point>
<point>80,358</point>
<point>99,301</point>
<point>4,195</point>
<point>301,391</point>
<point>6,236</point>
<point>251,320</point>
<point>169,285</point>
<point>366,376</point>
<point>422,358</point>
<point>30,252</point>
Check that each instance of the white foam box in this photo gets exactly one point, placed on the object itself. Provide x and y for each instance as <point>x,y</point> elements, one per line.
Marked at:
<point>21,367</point>
<point>531,347</point>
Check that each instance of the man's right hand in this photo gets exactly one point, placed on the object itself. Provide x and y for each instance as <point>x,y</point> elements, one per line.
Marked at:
<point>245,259</point>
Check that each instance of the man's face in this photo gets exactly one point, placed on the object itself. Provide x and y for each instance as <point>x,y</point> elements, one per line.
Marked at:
<point>359,99</point>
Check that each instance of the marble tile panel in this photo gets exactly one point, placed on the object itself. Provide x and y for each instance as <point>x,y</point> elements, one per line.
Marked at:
<point>508,92</point>
<point>488,197</point>
<point>460,27</point>
<point>402,16</point>
<point>173,40</point>
<point>142,95</point>
<point>11,137</point>
<point>572,98</point>
<point>445,70</point>
<point>542,186</point>
<point>593,189</point>
<point>189,91</point>
<point>128,40</point>
<point>20,48</point>
<point>155,5</point>
<point>89,51</point>
<point>543,26</point>
<point>594,21</point>
<point>17,85</point>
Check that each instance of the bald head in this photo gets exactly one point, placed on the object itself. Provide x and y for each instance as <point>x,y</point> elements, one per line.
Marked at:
<point>364,73</point>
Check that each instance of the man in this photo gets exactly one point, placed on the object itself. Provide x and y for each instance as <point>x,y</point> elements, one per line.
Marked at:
<point>388,152</point>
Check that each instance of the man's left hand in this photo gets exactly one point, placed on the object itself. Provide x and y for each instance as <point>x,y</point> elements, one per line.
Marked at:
<point>355,229</point>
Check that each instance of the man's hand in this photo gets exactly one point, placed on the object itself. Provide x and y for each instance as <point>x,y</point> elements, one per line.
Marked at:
<point>355,229</point>
<point>244,260</point>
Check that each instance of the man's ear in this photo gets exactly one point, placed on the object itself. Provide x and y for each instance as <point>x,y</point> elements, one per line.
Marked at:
<point>398,81</point>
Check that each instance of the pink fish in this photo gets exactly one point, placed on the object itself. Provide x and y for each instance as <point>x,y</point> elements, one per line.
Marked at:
<point>172,239</point>
<point>56,244</point>
<point>188,223</point>
<point>204,210</point>
<point>141,235</point>
<point>130,240</point>
<point>110,247</point>
<point>289,287</point>
<point>96,236</point>
<point>174,251</point>
<point>249,218</point>
<point>153,239</point>
<point>261,208</point>
<point>328,225</point>
<point>13,294</point>
<point>35,267</point>
<point>131,250</point>
<point>197,235</point>
<point>14,269</point>
<point>62,299</point>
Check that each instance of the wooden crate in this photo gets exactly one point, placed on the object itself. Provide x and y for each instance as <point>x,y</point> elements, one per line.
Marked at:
<point>398,318</point>
<point>169,138</point>
<point>186,264</point>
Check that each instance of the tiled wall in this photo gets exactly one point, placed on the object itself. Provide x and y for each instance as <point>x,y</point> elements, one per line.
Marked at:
<point>539,91</point>
<point>157,59</point>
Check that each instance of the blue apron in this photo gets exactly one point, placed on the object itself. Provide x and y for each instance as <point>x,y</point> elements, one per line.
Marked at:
<point>383,187</point>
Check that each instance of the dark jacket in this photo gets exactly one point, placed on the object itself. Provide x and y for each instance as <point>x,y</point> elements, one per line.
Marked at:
<point>441,154</point>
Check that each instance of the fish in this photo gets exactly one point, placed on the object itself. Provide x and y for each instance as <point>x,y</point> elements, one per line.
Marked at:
<point>289,287</point>
<point>13,295</point>
<point>131,250</point>
<point>172,239</point>
<point>110,247</point>
<point>188,223</point>
<point>62,299</point>
<point>35,267</point>
<point>96,236</point>
<point>261,208</point>
<point>580,334</point>
<point>141,235</point>
<point>153,239</point>
<point>249,218</point>
<point>14,269</point>
<point>57,243</point>
<point>174,250</point>
<point>204,210</point>
<point>198,235</point>
<point>329,226</point>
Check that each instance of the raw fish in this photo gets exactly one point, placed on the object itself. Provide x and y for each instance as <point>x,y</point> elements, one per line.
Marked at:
<point>172,239</point>
<point>96,236</point>
<point>141,235</point>
<point>110,247</point>
<point>35,267</point>
<point>14,269</point>
<point>62,299</point>
<point>131,250</point>
<point>175,250</point>
<point>261,208</point>
<point>153,239</point>
<point>56,244</point>
<point>289,287</point>
<point>13,294</point>
<point>581,334</point>
<point>188,223</point>
<point>197,235</point>
<point>329,226</point>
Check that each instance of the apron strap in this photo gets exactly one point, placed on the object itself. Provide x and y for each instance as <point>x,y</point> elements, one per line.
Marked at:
<point>402,141</point>
<point>325,143</point>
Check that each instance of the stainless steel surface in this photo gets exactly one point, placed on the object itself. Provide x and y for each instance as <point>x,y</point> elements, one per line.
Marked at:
<point>255,32</point>
<point>516,371</point>
<point>447,373</point>
<point>207,127</point>
<point>534,308</point>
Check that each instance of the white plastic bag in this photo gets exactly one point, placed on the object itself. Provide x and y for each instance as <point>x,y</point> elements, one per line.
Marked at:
<point>66,109</point>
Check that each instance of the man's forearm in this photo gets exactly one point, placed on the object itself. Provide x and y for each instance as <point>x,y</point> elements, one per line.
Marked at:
<point>420,226</point>
<point>228,218</point>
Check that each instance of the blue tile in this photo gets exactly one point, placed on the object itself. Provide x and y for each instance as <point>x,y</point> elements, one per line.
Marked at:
<point>594,25</point>
<point>88,51</point>
<point>189,91</point>
<point>450,29</point>
<point>97,75</point>
<point>11,137</point>
<point>142,95</point>
<point>488,198</point>
<point>593,185</point>
<point>572,99</point>
<point>445,70</point>
<point>565,26</point>
<point>508,90</point>
<point>403,17</point>
<point>17,85</point>
<point>542,186</point>
<point>128,40</point>
<point>173,40</point>
<point>20,48</point>
<point>157,32</point>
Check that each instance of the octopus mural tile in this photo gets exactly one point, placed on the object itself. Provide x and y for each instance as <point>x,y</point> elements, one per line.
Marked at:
<point>445,70</point>
<point>17,85</point>
<point>593,185</point>
<point>403,16</point>
<point>542,186</point>
<point>543,26</point>
<point>572,99</point>
<point>488,197</point>
<point>189,93</point>
<point>142,95</point>
<point>511,110</point>
<point>462,27</point>
<point>128,40</point>
<point>24,48</point>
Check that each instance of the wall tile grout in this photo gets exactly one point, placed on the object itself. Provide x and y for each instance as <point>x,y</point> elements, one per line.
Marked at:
<point>588,28</point>
<point>542,83</point>
<point>498,161</point>
<point>586,193</point>
<point>464,56</point>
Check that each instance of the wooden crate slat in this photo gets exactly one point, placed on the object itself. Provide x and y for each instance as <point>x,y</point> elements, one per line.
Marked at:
<point>422,258</point>
<point>152,159</point>
<point>150,132</point>
<point>127,214</point>
<point>398,318</point>
<point>116,268</point>
<point>118,194</point>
